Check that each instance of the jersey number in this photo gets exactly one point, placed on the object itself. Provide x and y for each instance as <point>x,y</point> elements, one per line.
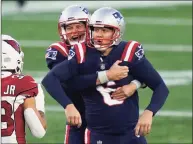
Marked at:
<point>105,92</point>
<point>6,112</point>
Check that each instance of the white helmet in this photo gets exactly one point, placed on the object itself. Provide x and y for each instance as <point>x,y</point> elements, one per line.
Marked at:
<point>73,14</point>
<point>14,43</point>
<point>11,59</point>
<point>107,17</point>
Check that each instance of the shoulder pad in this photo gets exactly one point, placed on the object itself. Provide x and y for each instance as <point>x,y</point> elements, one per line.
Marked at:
<point>60,47</point>
<point>26,85</point>
<point>132,50</point>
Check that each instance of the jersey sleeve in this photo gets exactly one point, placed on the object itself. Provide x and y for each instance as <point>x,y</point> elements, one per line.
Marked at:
<point>55,54</point>
<point>60,73</point>
<point>27,86</point>
<point>133,53</point>
<point>141,69</point>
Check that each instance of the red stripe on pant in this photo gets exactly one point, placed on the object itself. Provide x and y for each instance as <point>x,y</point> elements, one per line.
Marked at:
<point>87,136</point>
<point>66,140</point>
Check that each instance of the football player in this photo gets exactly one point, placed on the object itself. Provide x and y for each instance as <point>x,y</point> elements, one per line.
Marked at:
<point>40,98</point>
<point>72,28</point>
<point>110,120</point>
<point>18,105</point>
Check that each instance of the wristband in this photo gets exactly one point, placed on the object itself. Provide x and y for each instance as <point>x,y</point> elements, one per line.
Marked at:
<point>137,83</point>
<point>102,76</point>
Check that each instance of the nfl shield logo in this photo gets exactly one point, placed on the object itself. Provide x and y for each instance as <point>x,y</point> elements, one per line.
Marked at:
<point>102,66</point>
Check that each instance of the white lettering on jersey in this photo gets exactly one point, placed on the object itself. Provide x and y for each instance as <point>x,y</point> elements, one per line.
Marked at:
<point>105,92</point>
<point>10,90</point>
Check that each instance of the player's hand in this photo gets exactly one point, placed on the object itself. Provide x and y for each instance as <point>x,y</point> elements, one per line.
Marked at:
<point>73,116</point>
<point>143,126</point>
<point>117,72</point>
<point>124,92</point>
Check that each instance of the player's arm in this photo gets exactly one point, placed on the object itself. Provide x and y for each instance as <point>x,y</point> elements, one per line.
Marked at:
<point>60,73</point>
<point>126,91</point>
<point>37,124</point>
<point>84,81</point>
<point>40,101</point>
<point>52,83</point>
<point>34,120</point>
<point>116,72</point>
<point>57,53</point>
<point>81,82</point>
<point>143,70</point>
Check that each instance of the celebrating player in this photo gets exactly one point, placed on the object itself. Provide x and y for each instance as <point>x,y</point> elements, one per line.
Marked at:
<point>18,104</point>
<point>110,120</point>
<point>72,26</point>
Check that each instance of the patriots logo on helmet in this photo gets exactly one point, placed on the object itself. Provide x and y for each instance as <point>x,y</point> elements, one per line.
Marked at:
<point>85,10</point>
<point>118,16</point>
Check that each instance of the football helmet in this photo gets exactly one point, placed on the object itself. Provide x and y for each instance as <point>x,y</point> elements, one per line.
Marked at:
<point>106,17</point>
<point>70,15</point>
<point>14,43</point>
<point>11,59</point>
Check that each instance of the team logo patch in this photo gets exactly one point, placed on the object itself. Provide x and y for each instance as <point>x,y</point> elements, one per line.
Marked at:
<point>118,16</point>
<point>102,66</point>
<point>71,54</point>
<point>85,10</point>
<point>51,54</point>
<point>140,52</point>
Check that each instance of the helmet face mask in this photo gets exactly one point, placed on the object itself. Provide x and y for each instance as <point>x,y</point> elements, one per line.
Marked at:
<point>73,15</point>
<point>74,32</point>
<point>106,17</point>
<point>105,40</point>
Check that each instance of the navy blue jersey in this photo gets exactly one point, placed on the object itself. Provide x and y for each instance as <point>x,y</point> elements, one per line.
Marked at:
<point>57,53</point>
<point>103,114</point>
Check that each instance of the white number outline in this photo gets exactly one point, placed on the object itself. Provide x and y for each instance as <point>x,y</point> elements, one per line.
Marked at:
<point>105,93</point>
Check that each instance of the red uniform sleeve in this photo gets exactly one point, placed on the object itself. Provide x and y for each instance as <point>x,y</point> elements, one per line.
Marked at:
<point>27,86</point>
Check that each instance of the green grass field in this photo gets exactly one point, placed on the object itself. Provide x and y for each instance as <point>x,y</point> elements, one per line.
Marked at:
<point>165,129</point>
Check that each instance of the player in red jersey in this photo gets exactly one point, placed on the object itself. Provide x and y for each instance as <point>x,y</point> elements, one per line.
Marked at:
<point>40,98</point>
<point>18,105</point>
